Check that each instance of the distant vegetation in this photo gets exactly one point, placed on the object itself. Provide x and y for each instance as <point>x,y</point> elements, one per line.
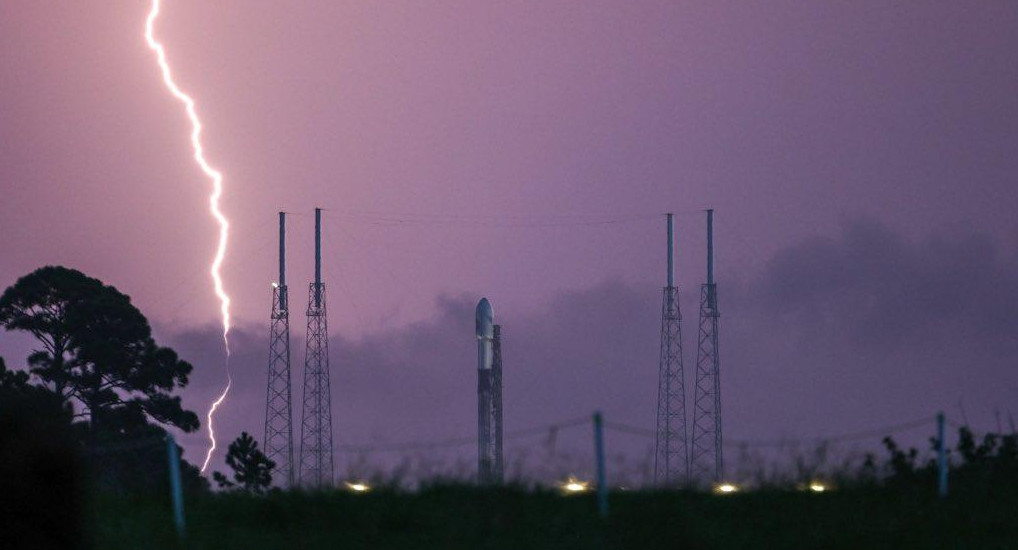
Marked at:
<point>464,517</point>
<point>988,465</point>
<point>890,504</point>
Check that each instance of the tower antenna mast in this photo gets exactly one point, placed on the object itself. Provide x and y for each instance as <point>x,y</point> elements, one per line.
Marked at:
<point>671,457</point>
<point>707,459</point>
<point>278,442</point>
<point>316,462</point>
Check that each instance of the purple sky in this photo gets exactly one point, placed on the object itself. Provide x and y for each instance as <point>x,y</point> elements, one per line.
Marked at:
<point>861,157</point>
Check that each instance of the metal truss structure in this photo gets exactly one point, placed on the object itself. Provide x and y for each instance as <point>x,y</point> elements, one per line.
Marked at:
<point>316,462</point>
<point>671,457</point>
<point>707,461</point>
<point>278,442</point>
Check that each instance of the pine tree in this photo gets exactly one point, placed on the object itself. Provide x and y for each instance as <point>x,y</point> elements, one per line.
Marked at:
<point>252,470</point>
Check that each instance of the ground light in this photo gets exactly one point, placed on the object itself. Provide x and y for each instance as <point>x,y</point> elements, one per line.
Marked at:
<point>358,487</point>
<point>574,486</point>
<point>818,487</point>
<point>726,488</point>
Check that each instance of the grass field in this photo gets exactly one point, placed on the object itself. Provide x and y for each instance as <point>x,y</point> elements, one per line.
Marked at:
<point>463,517</point>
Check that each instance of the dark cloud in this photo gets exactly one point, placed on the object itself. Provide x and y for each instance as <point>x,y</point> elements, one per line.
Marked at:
<point>871,328</point>
<point>886,294</point>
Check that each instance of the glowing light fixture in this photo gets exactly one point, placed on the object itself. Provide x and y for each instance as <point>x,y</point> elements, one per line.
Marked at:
<point>358,487</point>
<point>726,489</point>
<point>573,486</point>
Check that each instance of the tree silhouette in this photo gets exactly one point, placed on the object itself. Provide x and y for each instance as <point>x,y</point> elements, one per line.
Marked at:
<point>252,470</point>
<point>15,387</point>
<point>97,351</point>
<point>12,381</point>
<point>38,466</point>
<point>989,464</point>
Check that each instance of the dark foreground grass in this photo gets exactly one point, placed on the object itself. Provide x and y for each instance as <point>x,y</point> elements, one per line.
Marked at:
<point>463,517</point>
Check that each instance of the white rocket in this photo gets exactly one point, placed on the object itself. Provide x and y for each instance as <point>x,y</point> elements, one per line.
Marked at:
<point>489,395</point>
<point>485,324</point>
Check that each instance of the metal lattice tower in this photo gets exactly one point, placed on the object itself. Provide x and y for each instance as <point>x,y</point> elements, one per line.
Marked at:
<point>489,396</point>
<point>671,457</point>
<point>496,402</point>
<point>278,442</point>
<point>707,461</point>
<point>316,421</point>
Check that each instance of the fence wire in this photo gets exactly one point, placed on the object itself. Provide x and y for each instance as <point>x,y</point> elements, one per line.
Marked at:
<point>646,433</point>
<point>460,441</point>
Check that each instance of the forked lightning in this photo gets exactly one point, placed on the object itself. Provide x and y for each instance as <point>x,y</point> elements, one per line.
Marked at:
<point>216,178</point>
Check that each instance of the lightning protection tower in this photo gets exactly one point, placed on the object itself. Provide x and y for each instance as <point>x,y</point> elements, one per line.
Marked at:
<point>489,395</point>
<point>316,419</point>
<point>278,442</point>
<point>707,463</point>
<point>671,457</point>
<point>496,401</point>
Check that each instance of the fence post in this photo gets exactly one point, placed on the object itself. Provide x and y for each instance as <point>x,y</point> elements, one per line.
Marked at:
<point>941,457</point>
<point>175,490</point>
<point>602,483</point>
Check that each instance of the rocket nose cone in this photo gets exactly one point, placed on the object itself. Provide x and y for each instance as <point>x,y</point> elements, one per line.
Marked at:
<point>485,319</point>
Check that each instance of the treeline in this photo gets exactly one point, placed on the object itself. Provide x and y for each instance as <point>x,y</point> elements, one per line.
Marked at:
<point>988,464</point>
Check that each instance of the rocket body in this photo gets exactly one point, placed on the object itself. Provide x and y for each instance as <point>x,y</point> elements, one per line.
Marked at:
<point>485,329</point>
<point>489,396</point>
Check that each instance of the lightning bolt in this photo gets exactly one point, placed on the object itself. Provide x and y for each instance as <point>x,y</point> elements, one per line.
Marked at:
<point>216,178</point>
